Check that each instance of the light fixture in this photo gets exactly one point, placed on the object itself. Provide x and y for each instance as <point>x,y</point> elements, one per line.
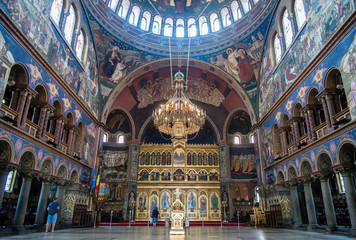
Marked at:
<point>179,117</point>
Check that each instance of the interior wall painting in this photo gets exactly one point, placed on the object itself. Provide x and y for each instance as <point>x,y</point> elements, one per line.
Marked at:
<point>208,92</point>
<point>240,123</point>
<point>117,122</point>
<point>324,18</point>
<point>32,18</point>
<point>242,162</point>
<point>114,165</point>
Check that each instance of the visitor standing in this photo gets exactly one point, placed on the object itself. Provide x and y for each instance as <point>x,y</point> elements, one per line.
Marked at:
<point>155,214</point>
<point>52,209</point>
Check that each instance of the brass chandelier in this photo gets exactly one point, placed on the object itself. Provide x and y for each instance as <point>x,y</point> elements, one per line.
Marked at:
<point>179,117</point>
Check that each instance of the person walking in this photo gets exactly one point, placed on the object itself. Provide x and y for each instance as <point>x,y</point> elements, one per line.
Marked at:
<point>52,209</point>
<point>155,214</point>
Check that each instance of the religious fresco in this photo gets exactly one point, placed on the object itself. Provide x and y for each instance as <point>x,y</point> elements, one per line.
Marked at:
<point>117,122</point>
<point>242,162</point>
<point>324,18</point>
<point>114,166</point>
<point>240,123</point>
<point>40,31</point>
<point>198,89</point>
<point>339,57</point>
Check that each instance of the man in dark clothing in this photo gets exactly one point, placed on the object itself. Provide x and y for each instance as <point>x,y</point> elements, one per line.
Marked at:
<point>52,209</point>
<point>155,214</point>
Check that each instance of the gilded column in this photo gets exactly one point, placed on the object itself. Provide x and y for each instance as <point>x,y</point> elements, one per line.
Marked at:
<point>25,111</point>
<point>20,106</point>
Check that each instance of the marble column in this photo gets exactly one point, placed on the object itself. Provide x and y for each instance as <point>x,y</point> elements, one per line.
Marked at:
<point>19,218</point>
<point>57,131</point>
<point>60,136</point>
<point>3,177</point>
<point>45,123</point>
<point>69,141</point>
<point>331,109</point>
<point>309,201</point>
<point>41,120</point>
<point>350,199</point>
<point>285,140</point>
<point>60,196</point>
<point>328,204</point>
<point>296,131</point>
<point>72,144</point>
<point>14,99</point>
<point>297,217</point>
<point>311,123</point>
<point>308,126</point>
<point>20,107</point>
<point>326,112</point>
<point>42,203</point>
<point>25,111</point>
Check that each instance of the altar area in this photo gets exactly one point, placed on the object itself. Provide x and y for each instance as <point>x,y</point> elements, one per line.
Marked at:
<point>194,169</point>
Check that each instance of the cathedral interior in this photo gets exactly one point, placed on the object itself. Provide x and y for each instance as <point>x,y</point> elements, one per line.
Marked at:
<point>246,108</point>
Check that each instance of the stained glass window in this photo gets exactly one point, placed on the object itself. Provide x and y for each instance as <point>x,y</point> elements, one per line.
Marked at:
<point>113,4</point>
<point>124,8</point>
<point>203,25</point>
<point>192,28</point>
<point>180,28</point>
<point>299,13</point>
<point>287,28</point>
<point>145,22</point>
<point>69,25</point>
<point>156,27</point>
<point>277,48</point>
<point>168,27</point>
<point>10,181</point>
<point>135,13</point>
<point>80,45</point>
<point>236,10</point>
<point>56,10</point>
<point>225,17</point>
<point>215,25</point>
<point>246,5</point>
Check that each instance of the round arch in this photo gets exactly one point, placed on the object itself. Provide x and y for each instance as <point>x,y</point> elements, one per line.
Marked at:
<point>27,164</point>
<point>230,80</point>
<point>340,147</point>
<point>321,153</point>
<point>132,122</point>
<point>74,175</point>
<point>47,166</point>
<point>304,171</point>
<point>62,170</point>
<point>292,172</point>
<point>228,121</point>
<point>7,150</point>
<point>280,176</point>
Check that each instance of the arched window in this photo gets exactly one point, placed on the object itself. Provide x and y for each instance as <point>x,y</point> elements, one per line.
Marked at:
<point>225,17</point>
<point>237,139</point>
<point>214,21</point>
<point>299,13</point>
<point>287,28</point>
<point>192,28</point>
<point>236,10</point>
<point>79,48</point>
<point>203,25</point>
<point>255,1</point>
<point>156,27</point>
<point>145,21</point>
<point>135,13</point>
<point>113,4</point>
<point>120,139</point>
<point>124,8</point>
<point>257,195</point>
<point>70,24</point>
<point>180,28</point>
<point>340,183</point>
<point>168,27</point>
<point>10,179</point>
<point>277,48</point>
<point>105,137</point>
<point>246,5</point>
<point>56,10</point>
<point>252,138</point>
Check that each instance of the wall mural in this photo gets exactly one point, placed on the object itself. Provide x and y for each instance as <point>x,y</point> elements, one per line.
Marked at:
<point>240,123</point>
<point>117,122</point>
<point>324,18</point>
<point>114,165</point>
<point>340,57</point>
<point>40,31</point>
<point>11,53</point>
<point>242,163</point>
<point>198,89</point>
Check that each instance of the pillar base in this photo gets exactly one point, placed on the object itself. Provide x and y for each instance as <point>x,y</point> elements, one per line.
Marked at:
<point>330,229</point>
<point>20,229</point>
<point>312,227</point>
<point>353,232</point>
<point>298,226</point>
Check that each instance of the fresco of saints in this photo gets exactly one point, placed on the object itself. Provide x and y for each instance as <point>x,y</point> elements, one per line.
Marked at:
<point>165,201</point>
<point>245,63</point>
<point>214,202</point>
<point>153,203</point>
<point>142,202</point>
<point>203,208</point>
<point>192,201</point>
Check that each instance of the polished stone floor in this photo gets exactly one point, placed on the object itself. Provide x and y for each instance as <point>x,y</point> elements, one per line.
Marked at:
<point>161,233</point>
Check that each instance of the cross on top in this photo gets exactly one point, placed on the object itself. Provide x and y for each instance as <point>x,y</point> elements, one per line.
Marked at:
<point>177,192</point>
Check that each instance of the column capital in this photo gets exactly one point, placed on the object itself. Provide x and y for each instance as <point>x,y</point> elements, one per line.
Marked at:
<point>27,175</point>
<point>306,180</point>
